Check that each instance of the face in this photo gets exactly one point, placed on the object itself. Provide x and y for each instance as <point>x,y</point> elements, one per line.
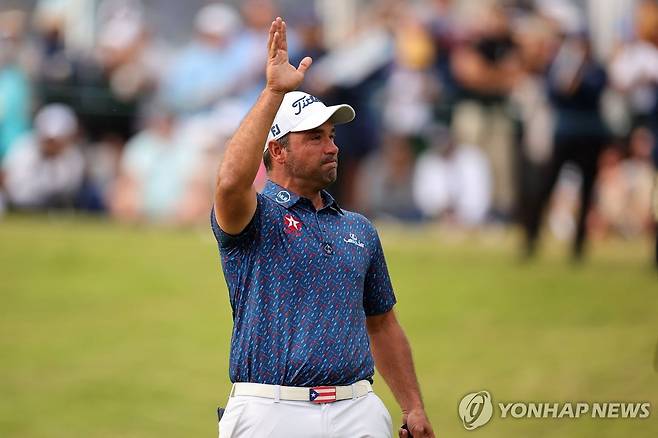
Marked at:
<point>51,147</point>
<point>312,156</point>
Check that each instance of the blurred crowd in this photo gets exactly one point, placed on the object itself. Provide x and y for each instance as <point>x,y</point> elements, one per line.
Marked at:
<point>468,112</point>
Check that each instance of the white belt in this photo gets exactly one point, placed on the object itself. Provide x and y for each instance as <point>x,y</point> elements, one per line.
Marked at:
<point>316,394</point>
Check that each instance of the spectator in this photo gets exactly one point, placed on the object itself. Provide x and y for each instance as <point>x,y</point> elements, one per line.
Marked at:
<point>486,68</point>
<point>209,68</point>
<point>576,84</point>
<point>623,205</point>
<point>113,85</point>
<point>156,173</point>
<point>537,42</point>
<point>452,181</point>
<point>444,28</point>
<point>45,170</point>
<point>307,27</point>
<point>353,72</point>
<point>634,71</point>
<point>412,86</point>
<point>386,181</point>
<point>54,66</point>
<point>257,16</point>
<point>14,86</point>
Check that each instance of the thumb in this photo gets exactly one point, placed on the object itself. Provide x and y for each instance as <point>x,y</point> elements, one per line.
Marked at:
<point>305,64</point>
<point>403,433</point>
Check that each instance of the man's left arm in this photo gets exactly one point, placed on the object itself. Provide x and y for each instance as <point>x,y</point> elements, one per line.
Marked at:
<point>392,354</point>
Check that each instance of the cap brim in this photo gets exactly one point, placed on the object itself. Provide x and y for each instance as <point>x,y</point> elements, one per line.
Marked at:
<point>336,114</point>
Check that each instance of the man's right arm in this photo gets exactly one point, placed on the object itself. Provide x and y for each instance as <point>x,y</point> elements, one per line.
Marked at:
<point>235,196</point>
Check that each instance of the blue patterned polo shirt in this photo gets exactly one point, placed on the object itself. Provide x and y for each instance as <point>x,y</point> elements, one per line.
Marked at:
<point>301,283</point>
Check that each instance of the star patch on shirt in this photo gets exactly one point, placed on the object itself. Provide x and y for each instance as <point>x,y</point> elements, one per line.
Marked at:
<point>292,225</point>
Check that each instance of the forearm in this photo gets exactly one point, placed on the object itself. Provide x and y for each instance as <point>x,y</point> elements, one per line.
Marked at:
<point>392,354</point>
<point>244,151</point>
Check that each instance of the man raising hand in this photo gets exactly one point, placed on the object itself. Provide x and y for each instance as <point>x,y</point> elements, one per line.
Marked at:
<point>308,284</point>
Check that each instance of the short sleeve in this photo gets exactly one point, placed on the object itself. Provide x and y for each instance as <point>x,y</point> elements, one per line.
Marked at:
<point>234,243</point>
<point>378,295</point>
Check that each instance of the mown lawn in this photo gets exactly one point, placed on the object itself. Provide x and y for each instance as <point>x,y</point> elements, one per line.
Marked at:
<point>115,331</point>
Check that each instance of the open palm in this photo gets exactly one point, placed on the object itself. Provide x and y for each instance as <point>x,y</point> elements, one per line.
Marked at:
<point>281,76</point>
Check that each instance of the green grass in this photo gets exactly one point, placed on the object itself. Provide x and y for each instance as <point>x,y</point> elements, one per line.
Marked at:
<point>109,331</point>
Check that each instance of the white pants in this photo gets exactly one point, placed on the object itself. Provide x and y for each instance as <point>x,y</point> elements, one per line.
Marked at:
<point>256,417</point>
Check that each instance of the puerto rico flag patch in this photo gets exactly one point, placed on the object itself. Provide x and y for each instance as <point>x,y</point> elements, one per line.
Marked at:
<point>322,394</point>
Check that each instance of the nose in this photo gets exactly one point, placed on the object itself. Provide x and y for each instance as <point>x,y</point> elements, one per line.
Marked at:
<point>332,147</point>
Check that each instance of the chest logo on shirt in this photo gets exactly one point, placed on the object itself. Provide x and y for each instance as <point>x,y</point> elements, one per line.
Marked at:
<point>292,225</point>
<point>282,197</point>
<point>354,240</point>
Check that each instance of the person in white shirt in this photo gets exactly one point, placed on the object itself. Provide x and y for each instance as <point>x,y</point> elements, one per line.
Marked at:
<point>45,169</point>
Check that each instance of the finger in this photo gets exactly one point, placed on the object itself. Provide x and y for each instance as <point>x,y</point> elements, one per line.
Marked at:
<point>278,22</point>
<point>270,39</point>
<point>276,27</point>
<point>275,45</point>
<point>284,36</point>
<point>305,64</point>
<point>403,433</point>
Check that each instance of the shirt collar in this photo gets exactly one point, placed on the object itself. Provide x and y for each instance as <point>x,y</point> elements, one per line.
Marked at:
<point>287,198</point>
<point>330,202</point>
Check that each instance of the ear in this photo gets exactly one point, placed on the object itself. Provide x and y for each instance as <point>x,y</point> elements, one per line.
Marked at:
<point>277,152</point>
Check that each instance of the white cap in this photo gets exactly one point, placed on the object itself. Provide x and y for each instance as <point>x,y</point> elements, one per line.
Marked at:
<point>301,111</point>
<point>119,34</point>
<point>217,19</point>
<point>55,121</point>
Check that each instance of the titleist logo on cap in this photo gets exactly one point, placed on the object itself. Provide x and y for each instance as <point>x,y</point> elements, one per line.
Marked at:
<point>303,102</point>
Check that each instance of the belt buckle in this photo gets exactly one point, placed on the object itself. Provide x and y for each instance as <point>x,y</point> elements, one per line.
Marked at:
<point>322,394</point>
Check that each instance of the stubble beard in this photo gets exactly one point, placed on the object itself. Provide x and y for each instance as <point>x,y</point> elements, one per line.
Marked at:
<point>321,177</point>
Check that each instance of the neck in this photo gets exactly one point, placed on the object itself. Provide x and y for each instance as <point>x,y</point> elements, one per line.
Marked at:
<point>301,187</point>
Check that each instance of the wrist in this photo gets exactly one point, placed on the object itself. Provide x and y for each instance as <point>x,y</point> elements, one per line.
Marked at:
<point>413,407</point>
<point>273,92</point>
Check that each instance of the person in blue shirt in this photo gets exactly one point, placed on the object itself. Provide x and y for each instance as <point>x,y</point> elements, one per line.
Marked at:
<point>310,292</point>
<point>576,86</point>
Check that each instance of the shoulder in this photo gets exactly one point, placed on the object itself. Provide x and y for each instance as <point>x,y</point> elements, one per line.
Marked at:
<point>359,223</point>
<point>267,204</point>
<point>25,148</point>
<point>353,216</point>
<point>264,208</point>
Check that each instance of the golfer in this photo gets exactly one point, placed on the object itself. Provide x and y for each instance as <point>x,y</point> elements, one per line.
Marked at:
<point>310,292</point>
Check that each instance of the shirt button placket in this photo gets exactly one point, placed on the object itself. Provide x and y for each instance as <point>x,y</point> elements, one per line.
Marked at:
<point>328,249</point>
<point>326,246</point>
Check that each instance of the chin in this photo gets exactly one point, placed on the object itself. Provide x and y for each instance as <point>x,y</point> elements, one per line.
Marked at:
<point>327,179</point>
<point>331,177</point>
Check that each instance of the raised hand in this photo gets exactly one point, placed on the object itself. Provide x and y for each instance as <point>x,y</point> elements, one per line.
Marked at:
<point>281,76</point>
